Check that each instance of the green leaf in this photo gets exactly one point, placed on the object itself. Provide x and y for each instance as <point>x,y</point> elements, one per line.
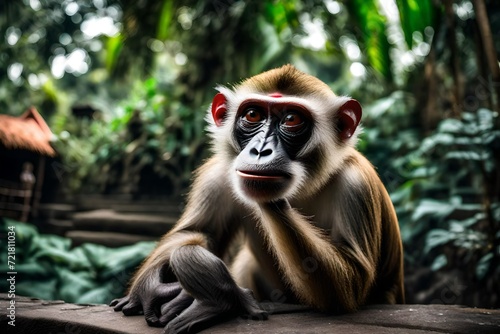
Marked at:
<point>467,141</point>
<point>468,222</point>
<point>380,106</point>
<point>373,34</point>
<point>443,139</point>
<point>185,150</point>
<point>415,16</point>
<point>437,237</point>
<point>271,42</point>
<point>486,119</point>
<point>281,14</point>
<point>114,47</point>
<point>464,155</point>
<point>492,138</point>
<point>153,143</point>
<point>451,125</point>
<point>166,14</point>
<point>429,207</point>
<point>423,172</point>
<point>483,265</point>
<point>439,262</point>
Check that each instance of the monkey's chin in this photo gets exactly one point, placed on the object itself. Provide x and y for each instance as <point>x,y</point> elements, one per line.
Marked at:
<point>263,187</point>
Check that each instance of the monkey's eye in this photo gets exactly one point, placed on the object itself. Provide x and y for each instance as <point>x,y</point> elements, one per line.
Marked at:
<point>253,116</point>
<point>292,122</point>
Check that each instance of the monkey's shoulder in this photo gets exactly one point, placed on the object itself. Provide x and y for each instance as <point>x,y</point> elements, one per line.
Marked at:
<point>351,189</point>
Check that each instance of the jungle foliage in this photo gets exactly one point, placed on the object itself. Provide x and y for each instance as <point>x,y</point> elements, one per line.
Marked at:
<point>425,71</point>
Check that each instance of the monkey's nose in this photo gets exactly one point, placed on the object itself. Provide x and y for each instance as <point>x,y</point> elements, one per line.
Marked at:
<point>261,153</point>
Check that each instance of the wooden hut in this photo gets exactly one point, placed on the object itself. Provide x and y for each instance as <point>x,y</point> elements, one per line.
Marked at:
<point>24,147</point>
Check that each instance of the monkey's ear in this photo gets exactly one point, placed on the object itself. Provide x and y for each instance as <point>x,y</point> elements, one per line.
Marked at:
<point>219,108</point>
<point>350,115</point>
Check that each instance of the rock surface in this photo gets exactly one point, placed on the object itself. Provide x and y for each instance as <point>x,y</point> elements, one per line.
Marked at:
<point>38,316</point>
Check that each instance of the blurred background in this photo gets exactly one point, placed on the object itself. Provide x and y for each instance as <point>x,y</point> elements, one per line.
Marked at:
<point>102,106</point>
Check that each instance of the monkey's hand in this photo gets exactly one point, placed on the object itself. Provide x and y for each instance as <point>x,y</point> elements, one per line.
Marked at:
<point>152,299</point>
<point>217,296</point>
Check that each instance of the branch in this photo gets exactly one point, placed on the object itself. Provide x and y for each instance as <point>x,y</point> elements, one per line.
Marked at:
<point>488,46</point>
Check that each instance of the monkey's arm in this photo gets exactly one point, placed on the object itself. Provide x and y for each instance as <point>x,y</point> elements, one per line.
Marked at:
<point>185,264</point>
<point>329,271</point>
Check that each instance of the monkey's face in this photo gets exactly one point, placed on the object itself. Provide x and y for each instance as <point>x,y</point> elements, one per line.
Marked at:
<point>280,146</point>
<point>269,134</point>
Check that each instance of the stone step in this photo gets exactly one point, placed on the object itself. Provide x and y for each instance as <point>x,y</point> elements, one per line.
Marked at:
<point>112,221</point>
<point>168,208</point>
<point>56,226</point>
<point>56,211</point>
<point>129,205</point>
<point>108,239</point>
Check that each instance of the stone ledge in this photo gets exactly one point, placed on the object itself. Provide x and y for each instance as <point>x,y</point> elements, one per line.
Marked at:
<point>38,316</point>
<point>134,223</point>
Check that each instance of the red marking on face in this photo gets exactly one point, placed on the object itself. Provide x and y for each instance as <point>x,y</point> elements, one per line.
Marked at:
<point>276,95</point>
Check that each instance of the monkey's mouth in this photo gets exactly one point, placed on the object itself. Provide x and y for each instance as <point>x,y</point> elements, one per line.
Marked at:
<point>263,185</point>
<point>263,175</point>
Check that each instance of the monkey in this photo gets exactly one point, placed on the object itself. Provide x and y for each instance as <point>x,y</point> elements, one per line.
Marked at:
<point>313,221</point>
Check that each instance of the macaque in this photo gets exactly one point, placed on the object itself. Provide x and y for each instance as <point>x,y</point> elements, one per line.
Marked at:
<point>312,219</point>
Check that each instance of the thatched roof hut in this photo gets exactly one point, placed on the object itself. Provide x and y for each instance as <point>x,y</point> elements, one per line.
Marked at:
<point>24,148</point>
<point>26,132</point>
